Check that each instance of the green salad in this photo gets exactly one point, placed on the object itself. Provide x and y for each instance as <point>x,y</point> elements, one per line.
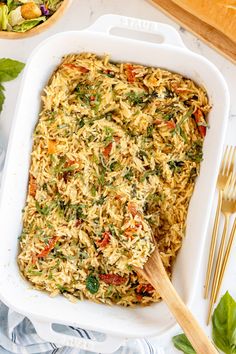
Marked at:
<point>23,15</point>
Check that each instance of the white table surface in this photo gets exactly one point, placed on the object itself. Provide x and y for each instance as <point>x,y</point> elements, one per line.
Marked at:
<point>81,14</point>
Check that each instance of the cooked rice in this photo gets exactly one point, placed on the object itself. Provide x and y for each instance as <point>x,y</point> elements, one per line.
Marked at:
<point>116,152</point>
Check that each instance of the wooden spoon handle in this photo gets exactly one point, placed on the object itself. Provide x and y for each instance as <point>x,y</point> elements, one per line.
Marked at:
<point>155,273</point>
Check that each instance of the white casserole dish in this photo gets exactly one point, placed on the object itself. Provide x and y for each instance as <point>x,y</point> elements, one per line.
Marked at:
<point>119,323</point>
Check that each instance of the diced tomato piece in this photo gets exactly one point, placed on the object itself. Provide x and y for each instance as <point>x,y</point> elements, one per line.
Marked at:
<point>32,186</point>
<point>106,152</point>
<point>144,288</point>
<point>78,222</point>
<point>179,89</point>
<point>105,240</point>
<point>133,210</point>
<point>157,121</point>
<point>118,197</point>
<point>202,131</point>
<point>130,231</point>
<point>52,146</point>
<point>83,69</point>
<point>138,225</point>
<point>113,279</point>
<point>34,258</point>
<point>77,67</point>
<point>70,163</point>
<point>130,74</point>
<point>171,124</point>
<point>139,297</point>
<point>51,244</point>
<point>199,118</point>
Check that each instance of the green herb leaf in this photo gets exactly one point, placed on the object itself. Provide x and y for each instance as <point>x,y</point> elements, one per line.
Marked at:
<point>101,200</point>
<point>92,284</point>
<point>128,174</point>
<point>150,129</point>
<point>175,166</point>
<point>114,166</point>
<point>195,152</point>
<point>112,229</point>
<point>93,191</point>
<point>182,343</point>
<point>101,177</point>
<point>224,325</point>
<point>109,290</point>
<point>167,117</point>
<point>193,174</point>
<point>141,154</point>
<point>42,210</point>
<point>136,98</point>
<point>179,126</point>
<point>9,69</point>
<point>81,123</point>
<point>156,171</point>
<point>61,288</point>
<point>109,135</point>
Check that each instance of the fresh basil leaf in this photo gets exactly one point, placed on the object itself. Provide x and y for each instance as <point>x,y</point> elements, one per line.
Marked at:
<point>2,96</point>
<point>92,284</point>
<point>224,325</point>
<point>182,343</point>
<point>9,69</point>
<point>28,24</point>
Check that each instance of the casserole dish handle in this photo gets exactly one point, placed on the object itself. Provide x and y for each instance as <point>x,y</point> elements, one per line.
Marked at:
<point>47,333</point>
<point>167,33</point>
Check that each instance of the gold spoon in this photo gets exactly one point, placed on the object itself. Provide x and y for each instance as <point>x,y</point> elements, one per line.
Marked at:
<point>155,273</point>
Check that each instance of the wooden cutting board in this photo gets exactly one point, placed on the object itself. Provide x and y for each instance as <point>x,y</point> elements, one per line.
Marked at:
<point>207,33</point>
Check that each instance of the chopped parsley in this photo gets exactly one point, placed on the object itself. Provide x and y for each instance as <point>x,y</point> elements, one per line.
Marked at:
<point>175,166</point>
<point>128,174</point>
<point>42,210</point>
<point>195,152</point>
<point>136,98</point>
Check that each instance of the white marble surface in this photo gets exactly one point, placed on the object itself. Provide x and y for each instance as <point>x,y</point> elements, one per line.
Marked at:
<point>81,14</point>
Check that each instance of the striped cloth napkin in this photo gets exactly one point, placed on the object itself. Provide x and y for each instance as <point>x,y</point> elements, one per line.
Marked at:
<point>17,335</point>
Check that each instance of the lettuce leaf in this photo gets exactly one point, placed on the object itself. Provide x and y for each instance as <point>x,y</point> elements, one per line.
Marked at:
<point>3,17</point>
<point>53,4</point>
<point>28,24</point>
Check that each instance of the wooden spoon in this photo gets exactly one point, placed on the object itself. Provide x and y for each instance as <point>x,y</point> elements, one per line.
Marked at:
<point>155,273</point>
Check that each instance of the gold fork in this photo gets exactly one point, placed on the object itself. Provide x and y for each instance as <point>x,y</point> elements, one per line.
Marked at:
<point>226,169</point>
<point>228,249</point>
<point>228,208</point>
